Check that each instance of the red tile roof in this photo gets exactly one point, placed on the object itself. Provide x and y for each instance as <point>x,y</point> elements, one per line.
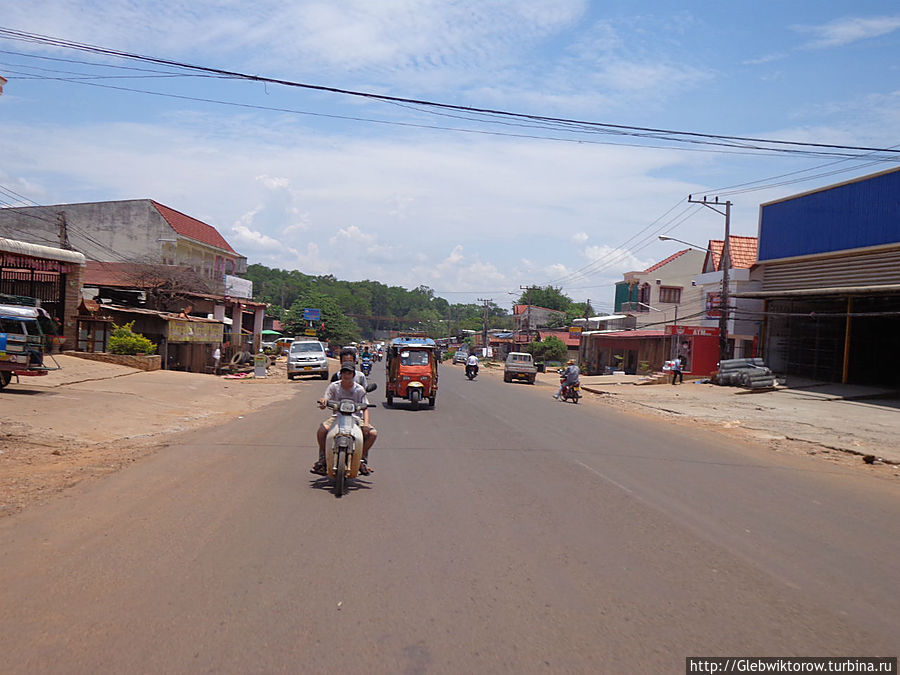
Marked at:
<point>193,228</point>
<point>135,275</point>
<point>742,252</point>
<point>666,261</point>
<point>114,275</point>
<point>520,309</point>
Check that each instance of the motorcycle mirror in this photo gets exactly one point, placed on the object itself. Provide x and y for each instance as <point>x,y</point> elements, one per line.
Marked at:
<point>371,386</point>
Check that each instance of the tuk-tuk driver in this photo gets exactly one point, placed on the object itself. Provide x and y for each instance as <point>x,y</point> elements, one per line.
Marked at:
<point>347,388</point>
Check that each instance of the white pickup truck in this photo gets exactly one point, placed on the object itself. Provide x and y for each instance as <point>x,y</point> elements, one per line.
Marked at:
<point>519,366</point>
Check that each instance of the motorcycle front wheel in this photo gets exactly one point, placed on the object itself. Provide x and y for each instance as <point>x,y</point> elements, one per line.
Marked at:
<point>414,397</point>
<point>339,474</point>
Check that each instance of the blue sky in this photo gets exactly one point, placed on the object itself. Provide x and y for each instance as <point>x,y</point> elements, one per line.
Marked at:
<point>470,214</point>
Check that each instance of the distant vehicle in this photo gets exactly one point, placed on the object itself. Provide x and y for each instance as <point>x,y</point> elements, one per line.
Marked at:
<point>412,370</point>
<point>519,366</point>
<point>307,358</point>
<point>461,355</point>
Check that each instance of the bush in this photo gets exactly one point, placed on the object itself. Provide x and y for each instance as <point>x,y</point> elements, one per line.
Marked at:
<point>124,340</point>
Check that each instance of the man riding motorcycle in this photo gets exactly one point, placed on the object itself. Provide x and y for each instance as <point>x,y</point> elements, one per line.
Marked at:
<point>569,377</point>
<point>346,388</point>
<point>472,363</point>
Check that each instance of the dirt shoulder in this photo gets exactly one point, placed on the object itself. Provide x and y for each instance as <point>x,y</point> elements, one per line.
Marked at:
<point>90,418</point>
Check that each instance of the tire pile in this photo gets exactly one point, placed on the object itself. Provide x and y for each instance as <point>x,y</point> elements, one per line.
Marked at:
<point>750,373</point>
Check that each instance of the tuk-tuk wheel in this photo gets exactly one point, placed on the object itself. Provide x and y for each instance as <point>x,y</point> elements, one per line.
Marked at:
<point>5,377</point>
<point>431,401</point>
<point>390,400</point>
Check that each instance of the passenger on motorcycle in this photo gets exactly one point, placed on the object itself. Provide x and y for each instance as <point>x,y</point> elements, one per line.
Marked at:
<point>349,356</point>
<point>346,388</point>
<point>570,376</point>
<point>472,362</point>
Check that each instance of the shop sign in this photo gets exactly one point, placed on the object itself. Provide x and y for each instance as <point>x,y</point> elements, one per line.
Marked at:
<point>713,305</point>
<point>195,331</point>
<point>692,331</point>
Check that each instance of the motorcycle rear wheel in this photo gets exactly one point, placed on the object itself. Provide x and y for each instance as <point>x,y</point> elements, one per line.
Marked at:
<point>339,474</point>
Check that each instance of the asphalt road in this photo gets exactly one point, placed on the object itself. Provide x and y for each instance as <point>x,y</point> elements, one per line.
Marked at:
<point>501,532</point>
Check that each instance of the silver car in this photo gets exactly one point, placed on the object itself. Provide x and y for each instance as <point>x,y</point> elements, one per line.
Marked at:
<point>307,358</point>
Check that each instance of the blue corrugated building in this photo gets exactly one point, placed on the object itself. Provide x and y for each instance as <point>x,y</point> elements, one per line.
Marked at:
<point>829,263</point>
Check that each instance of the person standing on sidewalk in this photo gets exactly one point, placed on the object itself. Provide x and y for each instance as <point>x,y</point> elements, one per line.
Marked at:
<point>677,369</point>
<point>217,358</point>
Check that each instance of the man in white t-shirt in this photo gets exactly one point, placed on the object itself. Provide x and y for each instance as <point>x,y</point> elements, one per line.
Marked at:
<point>345,388</point>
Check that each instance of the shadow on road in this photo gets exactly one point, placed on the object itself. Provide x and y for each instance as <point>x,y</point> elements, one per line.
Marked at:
<point>351,485</point>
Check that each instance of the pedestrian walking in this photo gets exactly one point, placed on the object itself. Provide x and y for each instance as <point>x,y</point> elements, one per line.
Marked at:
<point>217,358</point>
<point>677,368</point>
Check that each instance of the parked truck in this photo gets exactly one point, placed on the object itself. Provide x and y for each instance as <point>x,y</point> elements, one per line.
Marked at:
<point>519,366</point>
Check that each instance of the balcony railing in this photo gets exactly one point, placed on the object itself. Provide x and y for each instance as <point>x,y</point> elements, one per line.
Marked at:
<point>634,307</point>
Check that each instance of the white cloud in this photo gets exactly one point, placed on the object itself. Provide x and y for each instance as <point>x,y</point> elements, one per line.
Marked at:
<point>580,237</point>
<point>850,29</point>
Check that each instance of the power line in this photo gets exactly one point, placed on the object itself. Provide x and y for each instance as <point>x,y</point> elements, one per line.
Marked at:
<point>671,135</point>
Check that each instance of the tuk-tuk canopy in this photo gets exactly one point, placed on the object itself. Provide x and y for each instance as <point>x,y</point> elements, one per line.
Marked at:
<point>418,342</point>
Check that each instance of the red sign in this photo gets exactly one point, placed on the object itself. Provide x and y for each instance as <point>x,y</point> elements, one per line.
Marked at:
<point>713,305</point>
<point>692,330</point>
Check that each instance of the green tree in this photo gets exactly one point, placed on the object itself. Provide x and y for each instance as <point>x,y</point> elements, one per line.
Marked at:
<point>549,349</point>
<point>335,326</point>
<point>545,296</point>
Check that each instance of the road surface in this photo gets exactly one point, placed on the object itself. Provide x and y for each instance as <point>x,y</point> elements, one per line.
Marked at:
<point>501,532</point>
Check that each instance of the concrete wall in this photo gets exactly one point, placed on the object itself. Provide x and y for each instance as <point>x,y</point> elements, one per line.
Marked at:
<point>141,362</point>
<point>680,272</point>
<point>127,231</point>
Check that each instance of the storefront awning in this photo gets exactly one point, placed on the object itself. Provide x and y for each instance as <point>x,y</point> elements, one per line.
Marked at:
<point>34,256</point>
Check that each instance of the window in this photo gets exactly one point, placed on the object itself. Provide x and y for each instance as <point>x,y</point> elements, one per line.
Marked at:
<point>670,295</point>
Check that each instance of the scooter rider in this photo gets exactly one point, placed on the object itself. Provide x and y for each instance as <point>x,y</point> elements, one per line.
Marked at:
<point>570,376</point>
<point>472,362</point>
<point>346,388</point>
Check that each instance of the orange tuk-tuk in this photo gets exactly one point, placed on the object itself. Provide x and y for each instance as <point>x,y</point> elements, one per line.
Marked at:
<point>412,370</point>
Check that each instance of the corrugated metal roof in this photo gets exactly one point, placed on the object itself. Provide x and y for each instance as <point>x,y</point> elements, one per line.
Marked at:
<point>38,251</point>
<point>193,228</point>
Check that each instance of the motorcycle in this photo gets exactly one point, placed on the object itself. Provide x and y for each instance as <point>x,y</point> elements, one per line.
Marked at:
<point>366,366</point>
<point>471,371</point>
<point>344,442</point>
<point>569,391</point>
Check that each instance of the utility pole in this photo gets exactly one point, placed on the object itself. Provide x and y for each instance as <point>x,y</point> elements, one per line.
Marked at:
<point>527,309</point>
<point>63,232</point>
<point>484,323</point>
<point>724,265</point>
